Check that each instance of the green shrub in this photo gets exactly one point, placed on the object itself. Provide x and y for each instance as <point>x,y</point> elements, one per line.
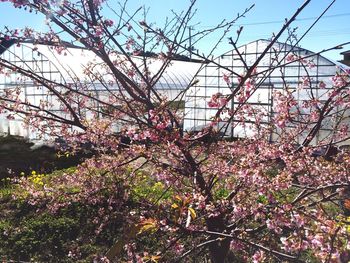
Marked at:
<point>44,238</point>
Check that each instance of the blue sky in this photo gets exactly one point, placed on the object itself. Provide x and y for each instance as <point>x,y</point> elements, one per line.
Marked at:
<point>266,17</point>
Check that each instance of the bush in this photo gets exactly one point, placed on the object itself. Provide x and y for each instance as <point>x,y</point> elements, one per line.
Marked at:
<point>44,238</point>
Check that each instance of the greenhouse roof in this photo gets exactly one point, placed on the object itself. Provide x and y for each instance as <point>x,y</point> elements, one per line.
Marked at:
<point>73,61</point>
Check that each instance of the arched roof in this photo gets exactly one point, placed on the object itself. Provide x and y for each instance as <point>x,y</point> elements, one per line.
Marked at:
<point>73,61</point>
<point>263,43</point>
<point>282,67</point>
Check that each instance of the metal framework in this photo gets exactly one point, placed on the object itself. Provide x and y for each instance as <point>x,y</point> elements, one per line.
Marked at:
<point>69,68</point>
<point>270,76</point>
<point>28,58</point>
<point>276,71</point>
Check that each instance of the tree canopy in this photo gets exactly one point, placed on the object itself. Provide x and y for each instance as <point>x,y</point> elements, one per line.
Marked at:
<point>247,199</point>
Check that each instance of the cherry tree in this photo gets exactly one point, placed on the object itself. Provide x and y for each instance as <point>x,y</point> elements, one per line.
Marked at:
<point>249,200</point>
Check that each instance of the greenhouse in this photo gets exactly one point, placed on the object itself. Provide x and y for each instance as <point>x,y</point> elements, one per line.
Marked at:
<point>69,66</point>
<point>298,64</point>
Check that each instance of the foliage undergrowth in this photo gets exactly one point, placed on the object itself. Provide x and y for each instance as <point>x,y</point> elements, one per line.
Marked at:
<point>30,232</point>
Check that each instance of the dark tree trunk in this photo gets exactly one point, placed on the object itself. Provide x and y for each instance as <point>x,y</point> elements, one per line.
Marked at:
<point>218,250</point>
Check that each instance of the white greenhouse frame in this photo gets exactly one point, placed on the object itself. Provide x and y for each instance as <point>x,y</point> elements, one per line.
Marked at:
<point>210,80</point>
